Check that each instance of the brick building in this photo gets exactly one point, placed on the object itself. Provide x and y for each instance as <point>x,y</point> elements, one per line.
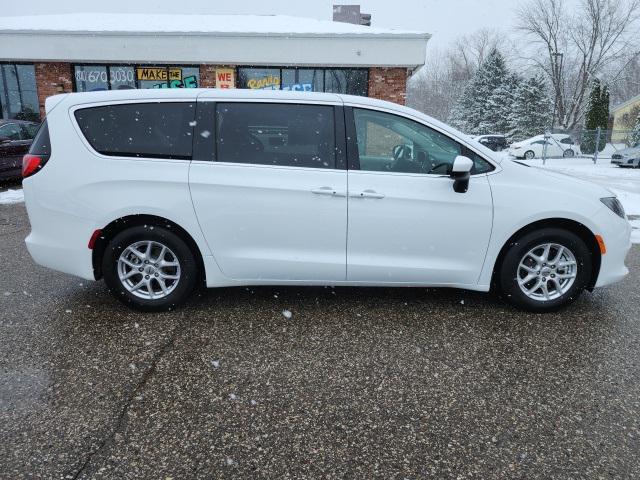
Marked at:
<point>48,54</point>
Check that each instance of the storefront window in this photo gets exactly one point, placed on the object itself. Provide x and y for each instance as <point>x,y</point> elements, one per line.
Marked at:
<point>91,78</point>
<point>18,93</point>
<point>168,77</point>
<point>121,77</point>
<point>350,81</point>
<point>339,80</point>
<point>259,78</point>
<point>303,79</point>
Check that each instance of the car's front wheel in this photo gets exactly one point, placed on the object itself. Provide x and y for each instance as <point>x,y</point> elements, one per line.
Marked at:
<point>545,270</point>
<point>149,268</point>
<point>568,153</point>
<point>529,155</point>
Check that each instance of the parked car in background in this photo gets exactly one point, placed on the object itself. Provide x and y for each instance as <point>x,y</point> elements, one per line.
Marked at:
<point>158,191</point>
<point>627,157</point>
<point>15,139</point>
<point>558,145</point>
<point>497,143</point>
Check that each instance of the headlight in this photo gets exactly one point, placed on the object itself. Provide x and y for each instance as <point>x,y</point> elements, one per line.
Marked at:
<point>614,205</point>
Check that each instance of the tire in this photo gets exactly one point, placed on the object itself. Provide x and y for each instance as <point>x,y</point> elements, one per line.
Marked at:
<point>517,266</point>
<point>179,275</point>
<point>529,155</point>
<point>568,153</point>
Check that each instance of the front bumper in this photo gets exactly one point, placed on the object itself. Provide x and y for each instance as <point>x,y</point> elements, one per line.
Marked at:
<point>616,233</point>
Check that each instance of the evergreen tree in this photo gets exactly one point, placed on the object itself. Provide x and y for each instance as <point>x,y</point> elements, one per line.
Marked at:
<point>597,116</point>
<point>486,101</point>
<point>635,134</point>
<point>531,111</point>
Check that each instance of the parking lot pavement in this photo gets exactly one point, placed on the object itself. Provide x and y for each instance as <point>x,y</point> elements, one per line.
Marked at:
<point>358,383</point>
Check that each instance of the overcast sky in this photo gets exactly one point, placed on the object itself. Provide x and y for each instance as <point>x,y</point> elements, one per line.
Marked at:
<point>444,19</point>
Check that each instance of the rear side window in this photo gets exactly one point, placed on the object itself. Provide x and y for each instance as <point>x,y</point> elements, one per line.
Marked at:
<point>155,130</point>
<point>276,134</point>
<point>41,144</point>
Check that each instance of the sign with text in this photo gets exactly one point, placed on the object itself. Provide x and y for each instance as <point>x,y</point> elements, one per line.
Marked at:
<point>225,78</point>
<point>159,73</point>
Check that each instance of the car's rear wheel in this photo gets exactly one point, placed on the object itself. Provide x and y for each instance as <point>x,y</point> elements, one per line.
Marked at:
<point>149,268</point>
<point>529,155</point>
<point>545,270</point>
<point>568,153</point>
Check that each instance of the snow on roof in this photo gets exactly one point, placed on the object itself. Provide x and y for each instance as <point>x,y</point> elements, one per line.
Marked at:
<point>114,23</point>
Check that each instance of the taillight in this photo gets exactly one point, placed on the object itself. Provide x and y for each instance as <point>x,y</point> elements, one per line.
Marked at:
<point>32,164</point>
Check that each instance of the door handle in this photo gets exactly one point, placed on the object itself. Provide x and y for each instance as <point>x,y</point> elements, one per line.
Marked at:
<point>367,194</point>
<point>327,191</point>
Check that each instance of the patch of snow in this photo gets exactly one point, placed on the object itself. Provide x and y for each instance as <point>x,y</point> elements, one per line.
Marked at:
<point>635,233</point>
<point>287,314</point>
<point>11,196</point>
<point>215,363</point>
<point>172,23</point>
<point>232,396</point>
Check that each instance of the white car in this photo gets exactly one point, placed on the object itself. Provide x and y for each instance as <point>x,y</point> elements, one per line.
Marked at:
<point>558,145</point>
<point>158,191</point>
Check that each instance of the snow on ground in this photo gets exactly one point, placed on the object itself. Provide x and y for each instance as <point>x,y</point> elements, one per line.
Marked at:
<point>11,196</point>
<point>624,182</point>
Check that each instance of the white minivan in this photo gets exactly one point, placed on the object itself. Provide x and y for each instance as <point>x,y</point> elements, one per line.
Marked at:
<point>160,191</point>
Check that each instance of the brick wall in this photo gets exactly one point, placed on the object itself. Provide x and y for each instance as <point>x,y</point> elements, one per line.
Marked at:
<point>388,84</point>
<point>52,78</point>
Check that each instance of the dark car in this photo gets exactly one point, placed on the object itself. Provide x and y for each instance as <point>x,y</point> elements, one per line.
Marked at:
<point>15,139</point>
<point>497,143</point>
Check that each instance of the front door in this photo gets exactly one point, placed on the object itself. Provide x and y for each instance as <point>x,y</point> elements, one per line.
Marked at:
<point>272,204</point>
<point>406,223</point>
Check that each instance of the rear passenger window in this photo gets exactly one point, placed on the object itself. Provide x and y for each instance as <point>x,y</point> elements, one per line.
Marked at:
<point>276,134</point>
<point>156,130</point>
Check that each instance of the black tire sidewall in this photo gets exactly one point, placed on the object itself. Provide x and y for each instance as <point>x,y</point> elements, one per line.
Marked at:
<point>188,267</point>
<point>508,271</point>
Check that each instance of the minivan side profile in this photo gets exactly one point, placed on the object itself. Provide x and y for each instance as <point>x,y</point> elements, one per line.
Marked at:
<point>158,192</point>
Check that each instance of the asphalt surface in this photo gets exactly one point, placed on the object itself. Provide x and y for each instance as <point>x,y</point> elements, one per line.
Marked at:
<point>358,383</point>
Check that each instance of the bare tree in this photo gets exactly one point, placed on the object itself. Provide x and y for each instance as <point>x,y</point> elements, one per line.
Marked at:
<point>574,48</point>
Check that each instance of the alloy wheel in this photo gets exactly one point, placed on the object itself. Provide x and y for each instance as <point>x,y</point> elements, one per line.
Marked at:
<point>547,271</point>
<point>149,269</point>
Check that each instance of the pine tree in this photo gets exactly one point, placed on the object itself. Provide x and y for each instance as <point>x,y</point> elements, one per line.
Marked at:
<point>597,116</point>
<point>486,101</point>
<point>635,134</point>
<point>531,111</point>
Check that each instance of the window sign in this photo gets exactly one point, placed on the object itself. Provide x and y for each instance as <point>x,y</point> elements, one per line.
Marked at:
<point>259,78</point>
<point>91,78</point>
<point>225,78</point>
<point>121,77</point>
<point>303,80</point>
<point>18,92</point>
<point>353,81</point>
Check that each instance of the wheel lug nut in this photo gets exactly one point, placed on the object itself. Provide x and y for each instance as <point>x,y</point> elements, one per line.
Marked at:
<point>544,279</point>
<point>553,276</point>
<point>140,269</point>
<point>155,274</point>
<point>147,277</point>
<point>146,262</point>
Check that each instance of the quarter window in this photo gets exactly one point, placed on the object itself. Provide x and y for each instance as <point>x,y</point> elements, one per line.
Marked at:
<point>391,143</point>
<point>276,134</point>
<point>156,130</point>
<point>11,131</point>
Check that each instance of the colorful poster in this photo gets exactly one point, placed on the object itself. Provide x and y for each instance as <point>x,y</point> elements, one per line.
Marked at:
<point>225,78</point>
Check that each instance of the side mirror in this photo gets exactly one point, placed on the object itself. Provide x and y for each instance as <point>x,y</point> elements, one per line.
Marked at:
<point>461,172</point>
